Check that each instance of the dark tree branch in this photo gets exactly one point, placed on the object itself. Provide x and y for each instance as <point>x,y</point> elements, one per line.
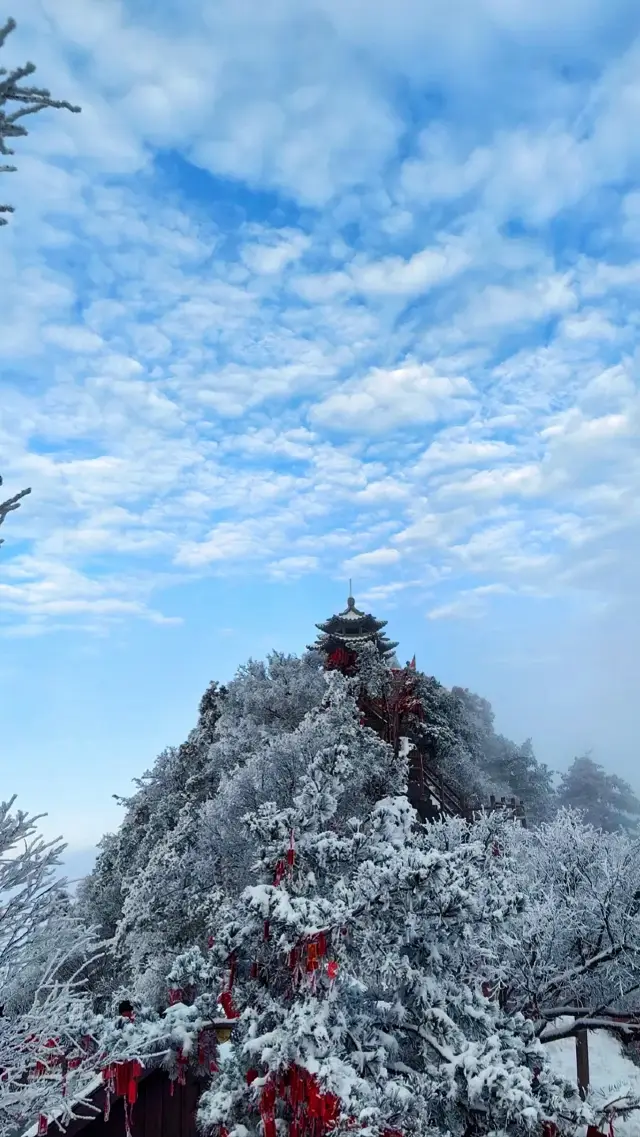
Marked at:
<point>11,503</point>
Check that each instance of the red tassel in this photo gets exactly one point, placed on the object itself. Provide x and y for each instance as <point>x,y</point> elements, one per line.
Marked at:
<point>122,1078</point>
<point>331,1110</point>
<point>251,1076</point>
<point>295,1086</point>
<point>281,868</point>
<point>332,969</point>
<point>182,1068</point>
<point>226,1002</point>
<point>291,851</point>
<point>268,1097</point>
<point>176,995</point>
<point>267,930</point>
<point>132,1088</point>
<point>267,1110</point>
<point>43,1125</point>
<point>128,1117</point>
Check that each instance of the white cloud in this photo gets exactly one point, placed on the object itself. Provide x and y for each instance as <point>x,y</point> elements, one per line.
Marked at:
<point>423,271</point>
<point>464,452</point>
<point>469,605</point>
<point>529,301</point>
<point>526,480</point>
<point>170,356</point>
<point>77,339</point>
<point>389,398</point>
<point>274,255</point>
<point>292,568</point>
<point>376,558</point>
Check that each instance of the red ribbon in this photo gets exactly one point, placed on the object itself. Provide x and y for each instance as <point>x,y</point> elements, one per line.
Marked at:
<point>226,1002</point>
<point>314,1112</point>
<point>121,1079</point>
<point>182,1068</point>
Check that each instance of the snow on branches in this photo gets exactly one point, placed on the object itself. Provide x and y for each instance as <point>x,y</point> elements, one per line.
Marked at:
<point>354,964</point>
<point>575,948</point>
<point>29,100</point>
<point>379,974</point>
<point>11,503</point>
<point>48,1034</point>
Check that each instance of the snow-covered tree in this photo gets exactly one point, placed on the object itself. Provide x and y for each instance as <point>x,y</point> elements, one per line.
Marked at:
<point>606,801</point>
<point>352,961</point>
<point>574,948</point>
<point>29,100</point>
<point>166,904</point>
<point>48,1031</point>
<point>239,743</point>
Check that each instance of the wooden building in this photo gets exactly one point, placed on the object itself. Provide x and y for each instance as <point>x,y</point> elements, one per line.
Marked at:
<point>163,1109</point>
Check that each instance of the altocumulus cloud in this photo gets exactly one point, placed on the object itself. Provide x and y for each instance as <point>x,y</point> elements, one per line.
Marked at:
<point>323,277</point>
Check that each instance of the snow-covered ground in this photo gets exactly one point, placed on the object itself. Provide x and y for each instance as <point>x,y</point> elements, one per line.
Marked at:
<point>612,1074</point>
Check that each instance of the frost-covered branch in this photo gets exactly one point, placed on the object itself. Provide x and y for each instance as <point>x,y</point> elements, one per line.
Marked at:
<point>48,1032</point>
<point>30,100</point>
<point>11,503</point>
<point>552,1032</point>
<point>573,950</point>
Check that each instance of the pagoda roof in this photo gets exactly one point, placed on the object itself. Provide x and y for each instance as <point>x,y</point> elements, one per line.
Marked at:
<point>352,629</point>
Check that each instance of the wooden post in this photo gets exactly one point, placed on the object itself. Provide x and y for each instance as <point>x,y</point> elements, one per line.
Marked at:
<point>582,1062</point>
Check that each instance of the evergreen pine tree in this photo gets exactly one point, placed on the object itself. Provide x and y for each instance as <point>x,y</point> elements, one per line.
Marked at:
<point>606,801</point>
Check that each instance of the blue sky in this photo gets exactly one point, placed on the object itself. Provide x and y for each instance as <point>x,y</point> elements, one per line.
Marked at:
<point>312,291</point>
